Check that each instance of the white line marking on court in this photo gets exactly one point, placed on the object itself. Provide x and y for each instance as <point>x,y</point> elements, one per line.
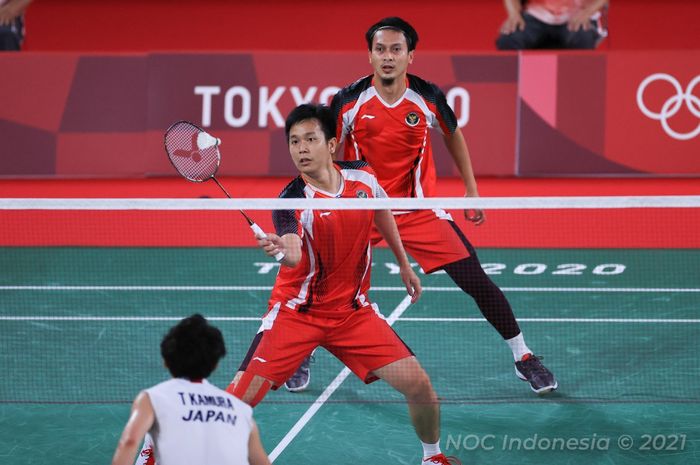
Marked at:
<point>558,289</point>
<point>559,320</point>
<point>136,288</point>
<point>335,384</point>
<point>406,320</point>
<point>122,318</point>
<point>377,289</point>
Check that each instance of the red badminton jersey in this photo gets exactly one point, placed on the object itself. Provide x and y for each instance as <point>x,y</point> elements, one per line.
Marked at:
<point>394,139</point>
<point>333,276</point>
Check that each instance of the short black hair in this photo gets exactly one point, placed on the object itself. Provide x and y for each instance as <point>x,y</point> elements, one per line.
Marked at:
<point>308,111</point>
<point>396,23</point>
<point>192,348</point>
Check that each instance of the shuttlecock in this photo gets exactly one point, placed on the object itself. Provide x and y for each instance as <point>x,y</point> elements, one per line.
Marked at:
<point>204,141</point>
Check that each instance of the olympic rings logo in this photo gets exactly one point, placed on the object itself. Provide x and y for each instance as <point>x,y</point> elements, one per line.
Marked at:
<point>672,105</point>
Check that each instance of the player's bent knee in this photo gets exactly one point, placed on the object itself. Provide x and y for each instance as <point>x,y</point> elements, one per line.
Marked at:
<point>423,389</point>
<point>419,388</point>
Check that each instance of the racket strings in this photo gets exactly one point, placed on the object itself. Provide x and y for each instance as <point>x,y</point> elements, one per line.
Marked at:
<point>191,161</point>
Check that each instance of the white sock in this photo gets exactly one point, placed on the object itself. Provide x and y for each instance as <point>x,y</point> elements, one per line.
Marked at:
<point>430,449</point>
<point>518,346</point>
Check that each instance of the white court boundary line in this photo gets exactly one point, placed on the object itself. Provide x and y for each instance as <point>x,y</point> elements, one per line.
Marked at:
<point>403,320</point>
<point>325,395</point>
<point>558,320</point>
<point>376,289</point>
<point>120,318</point>
<point>136,288</point>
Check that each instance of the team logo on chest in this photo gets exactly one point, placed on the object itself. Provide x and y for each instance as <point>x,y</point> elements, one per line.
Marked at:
<point>412,119</point>
<point>361,194</point>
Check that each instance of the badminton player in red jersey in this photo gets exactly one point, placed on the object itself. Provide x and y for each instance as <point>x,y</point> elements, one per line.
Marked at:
<point>386,119</point>
<point>320,294</point>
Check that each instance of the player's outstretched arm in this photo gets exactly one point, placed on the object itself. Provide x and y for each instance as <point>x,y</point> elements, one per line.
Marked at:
<point>386,225</point>
<point>289,244</point>
<point>140,421</point>
<point>457,147</point>
<point>256,452</point>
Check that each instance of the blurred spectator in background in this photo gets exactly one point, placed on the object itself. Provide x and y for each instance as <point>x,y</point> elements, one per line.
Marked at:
<point>12,23</point>
<point>552,24</point>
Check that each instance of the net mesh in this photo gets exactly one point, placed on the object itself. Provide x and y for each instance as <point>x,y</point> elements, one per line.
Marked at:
<point>605,289</point>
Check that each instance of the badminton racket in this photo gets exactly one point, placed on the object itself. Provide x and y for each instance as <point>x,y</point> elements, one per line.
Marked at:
<point>195,155</point>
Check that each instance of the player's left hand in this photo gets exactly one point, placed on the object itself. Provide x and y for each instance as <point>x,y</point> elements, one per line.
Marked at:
<point>475,215</point>
<point>412,283</point>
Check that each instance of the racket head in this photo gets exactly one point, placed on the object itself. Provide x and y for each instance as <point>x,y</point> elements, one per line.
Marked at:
<point>194,161</point>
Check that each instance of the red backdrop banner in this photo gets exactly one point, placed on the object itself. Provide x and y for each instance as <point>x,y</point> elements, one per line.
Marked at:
<point>104,115</point>
<point>609,114</point>
<point>653,111</point>
<point>528,113</point>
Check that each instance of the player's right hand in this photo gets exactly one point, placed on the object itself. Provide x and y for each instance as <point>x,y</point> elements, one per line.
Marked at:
<point>271,244</point>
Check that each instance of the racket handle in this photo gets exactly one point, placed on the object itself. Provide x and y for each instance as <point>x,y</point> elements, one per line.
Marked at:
<point>260,234</point>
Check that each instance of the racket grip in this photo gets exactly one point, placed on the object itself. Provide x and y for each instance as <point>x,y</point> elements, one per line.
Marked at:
<point>260,234</point>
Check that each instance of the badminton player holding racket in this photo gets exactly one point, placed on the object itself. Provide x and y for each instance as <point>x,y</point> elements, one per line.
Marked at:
<point>385,119</point>
<point>320,294</point>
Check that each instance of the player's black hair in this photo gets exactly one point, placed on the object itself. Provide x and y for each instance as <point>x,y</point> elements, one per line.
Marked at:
<point>192,348</point>
<point>308,111</point>
<point>396,23</point>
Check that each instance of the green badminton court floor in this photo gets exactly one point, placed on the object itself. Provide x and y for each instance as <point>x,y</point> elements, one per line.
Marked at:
<point>81,329</point>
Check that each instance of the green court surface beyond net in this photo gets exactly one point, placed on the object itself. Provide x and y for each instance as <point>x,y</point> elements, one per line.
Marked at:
<point>91,319</point>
